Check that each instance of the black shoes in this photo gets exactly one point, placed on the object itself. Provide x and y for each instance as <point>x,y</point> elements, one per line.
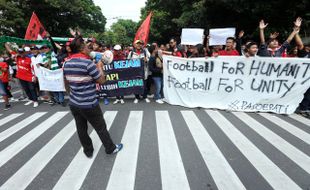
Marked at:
<point>88,153</point>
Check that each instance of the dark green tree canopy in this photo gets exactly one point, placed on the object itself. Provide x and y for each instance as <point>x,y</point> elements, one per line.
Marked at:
<point>56,16</point>
<point>170,16</point>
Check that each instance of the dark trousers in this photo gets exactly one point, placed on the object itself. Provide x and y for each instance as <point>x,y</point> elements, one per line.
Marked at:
<point>6,88</point>
<point>30,90</point>
<point>95,117</point>
<point>305,104</point>
<point>119,97</point>
<point>144,95</point>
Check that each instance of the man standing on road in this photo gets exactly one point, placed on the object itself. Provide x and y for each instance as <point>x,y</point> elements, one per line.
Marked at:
<point>82,75</point>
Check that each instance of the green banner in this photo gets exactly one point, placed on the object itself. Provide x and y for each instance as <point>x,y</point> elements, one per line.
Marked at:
<point>19,41</point>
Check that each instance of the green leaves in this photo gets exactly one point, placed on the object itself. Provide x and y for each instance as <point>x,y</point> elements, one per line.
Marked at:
<point>56,16</point>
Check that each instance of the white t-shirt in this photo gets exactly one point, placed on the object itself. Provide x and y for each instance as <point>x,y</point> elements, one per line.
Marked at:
<point>35,61</point>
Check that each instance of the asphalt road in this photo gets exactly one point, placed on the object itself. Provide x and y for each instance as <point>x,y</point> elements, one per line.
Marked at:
<point>165,147</point>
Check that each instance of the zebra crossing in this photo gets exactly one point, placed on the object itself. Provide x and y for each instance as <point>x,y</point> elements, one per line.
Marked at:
<point>163,149</point>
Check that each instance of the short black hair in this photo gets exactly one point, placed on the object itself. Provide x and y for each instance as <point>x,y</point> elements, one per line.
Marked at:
<point>231,38</point>
<point>174,39</point>
<point>201,50</point>
<point>248,46</point>
<point>77,44</point>
<point>151,49</point>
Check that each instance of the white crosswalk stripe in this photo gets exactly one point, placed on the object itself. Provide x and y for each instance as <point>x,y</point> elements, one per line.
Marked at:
<point>9,118</point>
<point>23,177</point>
<point>289,150</point>
<point>171,168</point>
<point>21,143</point>
<point>300,119</point>
<point>214,159</point>
<point>288,127</point>
<point>276,177</point>
<point>28,103</point>
<point>124,167</point>
<point>76,172</point>
<point>20,125</point>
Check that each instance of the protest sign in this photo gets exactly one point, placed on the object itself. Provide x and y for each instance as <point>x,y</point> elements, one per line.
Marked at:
<point>192,36</point>
<point>52,81</point>
<point>237,83</point>
<point>124,77</point>
<point>218,35</point>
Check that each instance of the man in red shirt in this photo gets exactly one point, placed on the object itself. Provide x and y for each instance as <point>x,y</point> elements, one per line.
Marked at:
<point>4,78</point>
<point>118,54</point>
<point>229,48</point>
<point>26,77</point>
<point>174,48</point>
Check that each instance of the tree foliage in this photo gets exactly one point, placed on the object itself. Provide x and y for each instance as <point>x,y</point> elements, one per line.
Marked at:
<point>121,32</point>
<point>170,16</point>
<point>56,16</point>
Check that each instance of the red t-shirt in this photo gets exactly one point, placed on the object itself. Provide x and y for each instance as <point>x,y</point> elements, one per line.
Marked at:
<point>229,53</point>
<point>24,71</point>
<point>119,56</point>
<point>4,76</point>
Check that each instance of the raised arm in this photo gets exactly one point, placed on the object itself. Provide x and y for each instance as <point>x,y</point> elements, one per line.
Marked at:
<point>262,27</point>
<point>239,42</point>
<point>298,40</point>
<point>7,47</point>
<point>296,29</point>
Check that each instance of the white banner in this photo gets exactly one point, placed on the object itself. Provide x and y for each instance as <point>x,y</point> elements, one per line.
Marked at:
<point>237,83</point>
<point>52,81</point>
<point>192,36</point>
<point>218,36</point>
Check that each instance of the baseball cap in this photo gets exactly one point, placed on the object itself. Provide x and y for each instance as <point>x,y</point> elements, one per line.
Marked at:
<point>138,41</point>
<point>27,48</point>
<point>117,47</point>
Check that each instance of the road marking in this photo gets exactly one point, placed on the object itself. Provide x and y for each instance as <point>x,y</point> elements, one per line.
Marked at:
<point>23,177</point>
<point>9,118</point>
<point>126,161</point>
<point>173,175</point>
<point>288,127</point>
<point>75,174</point>
<point>18,126</point>
<point>25,140</point>
<point>213,157</point>
<point>300,119</point>
<point>286,148</point>
<point>28,103</point>
<point>274,176</point>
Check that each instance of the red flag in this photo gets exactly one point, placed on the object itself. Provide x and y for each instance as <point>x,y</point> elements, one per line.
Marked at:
<point>144,30</point>
<point>35,29</point>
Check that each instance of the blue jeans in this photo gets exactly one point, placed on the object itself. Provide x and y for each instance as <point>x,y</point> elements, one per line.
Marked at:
<point>158,81</point>
<point>59,97</point>
<point>2,89</point>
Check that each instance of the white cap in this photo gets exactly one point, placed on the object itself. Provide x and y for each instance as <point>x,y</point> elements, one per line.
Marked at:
<point>107,57</point>
<point>27,48</point>
<point>92,54</point>
<point>117,47</point>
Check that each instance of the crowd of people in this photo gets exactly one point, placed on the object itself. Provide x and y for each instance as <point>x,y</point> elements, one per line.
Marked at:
<point>20,65</point>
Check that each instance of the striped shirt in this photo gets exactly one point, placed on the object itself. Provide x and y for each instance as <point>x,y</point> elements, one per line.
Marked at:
<point>81,73</point>
<point>51,58</point>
